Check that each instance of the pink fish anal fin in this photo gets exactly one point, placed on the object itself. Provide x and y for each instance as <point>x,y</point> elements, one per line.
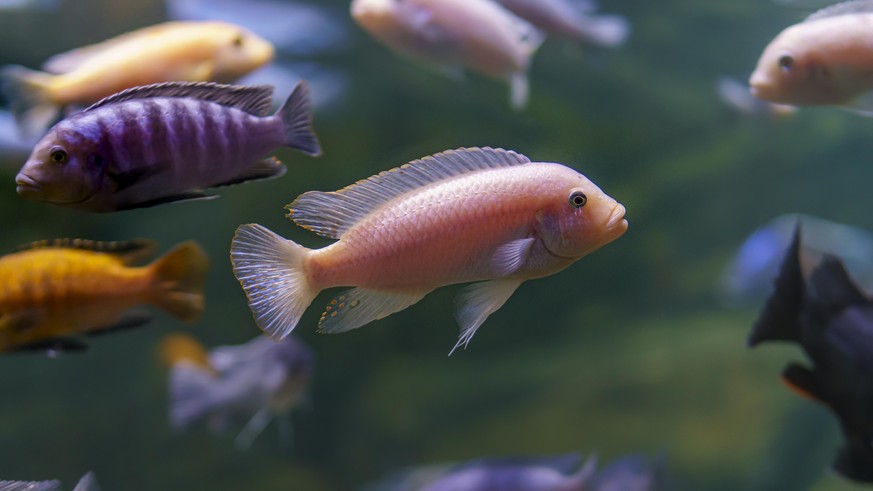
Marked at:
<point>359,306</point>
<point>479,300</point>
<point>510,257</point>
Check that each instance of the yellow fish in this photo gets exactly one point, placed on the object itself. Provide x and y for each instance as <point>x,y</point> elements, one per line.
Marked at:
<point>195,51</point>
<point>52,290</point>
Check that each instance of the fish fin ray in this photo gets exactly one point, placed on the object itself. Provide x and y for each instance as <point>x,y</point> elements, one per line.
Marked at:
<point>129,251</point>
<point>186,196</point>
<point>511,256</point>
<point>354,308</point>
<point>780,317</point>
<point>269,168</point>
<point>253,99</point>
<point>181,274</point>
<point>330,214</point>
<point>270,270</point>
<point>189,393</point>
<point>296,117</point>
<point>842,8</point>
<point>53,485</point>
<point>479,300</point>
<point>28,94</point>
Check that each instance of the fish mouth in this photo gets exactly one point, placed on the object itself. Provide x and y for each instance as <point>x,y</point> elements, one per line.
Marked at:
<point>617,220</point>
<point>25,184</point>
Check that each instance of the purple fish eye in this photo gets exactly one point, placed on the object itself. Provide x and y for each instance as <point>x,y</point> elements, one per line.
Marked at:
<point>58,155</point>
<point>786,62</point>
<point>578,199</point>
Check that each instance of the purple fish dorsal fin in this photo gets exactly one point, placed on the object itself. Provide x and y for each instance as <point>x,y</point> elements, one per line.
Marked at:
<point>253,99</point>
<point>843,8</point>
<point>331,214</point>
<point>129,251</point>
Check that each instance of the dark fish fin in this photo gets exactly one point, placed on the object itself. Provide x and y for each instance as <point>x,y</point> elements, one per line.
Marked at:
<point>804,382</point>
<point>855,460</point>
<point>297,119</point>
<point>129,251</point>
<point>126,179</point>
<point>780,318</point>
<point>253,99</point>
<point>55,346</point>
<point>263,169</point>
<point>129,320</point>
<point>188,196</point>
<point>832,287</point>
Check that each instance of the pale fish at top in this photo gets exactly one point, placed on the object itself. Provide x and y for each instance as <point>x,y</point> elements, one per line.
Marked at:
<point>254,381</point>
<point>572,19</point>
<point>825,60</point>
<point>165,142</point>
<point>472,214</point>
<point>167,52</point>
<point>453,34</point>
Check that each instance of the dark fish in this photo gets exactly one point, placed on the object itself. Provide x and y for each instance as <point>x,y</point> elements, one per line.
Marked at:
<point>831,318</point>
<point>165,142</point>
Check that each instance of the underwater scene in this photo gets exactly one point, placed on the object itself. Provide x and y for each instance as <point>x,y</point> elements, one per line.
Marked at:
<point>631,249</point>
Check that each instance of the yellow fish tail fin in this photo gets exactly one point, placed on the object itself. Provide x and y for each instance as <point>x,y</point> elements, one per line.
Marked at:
<point>29,96</point>
<point>180,275</point>
<point>271,271</point>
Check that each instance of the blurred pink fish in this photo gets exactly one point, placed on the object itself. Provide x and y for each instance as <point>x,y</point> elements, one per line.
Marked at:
<point>475,214</point>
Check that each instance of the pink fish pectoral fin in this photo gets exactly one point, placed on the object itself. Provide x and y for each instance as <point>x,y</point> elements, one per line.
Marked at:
<point>478,301</point>
<point>510,257</point>
<point>359,306</point>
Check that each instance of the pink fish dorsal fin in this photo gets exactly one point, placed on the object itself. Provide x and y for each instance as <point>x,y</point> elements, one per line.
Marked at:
<point>128,251</point>
<point>253,99</point>
<point>843,8</point>
<point>331,214</point>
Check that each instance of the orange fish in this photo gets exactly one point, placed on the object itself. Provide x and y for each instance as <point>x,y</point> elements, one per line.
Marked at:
<point>472,214</point>
<point>52,290</point>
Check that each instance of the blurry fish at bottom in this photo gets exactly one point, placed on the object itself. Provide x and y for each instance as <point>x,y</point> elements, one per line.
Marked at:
<point>832,320</point>
<point>254,381</point>
<point>749,276</point>
<point>557,473</point>
<point>87,483</point>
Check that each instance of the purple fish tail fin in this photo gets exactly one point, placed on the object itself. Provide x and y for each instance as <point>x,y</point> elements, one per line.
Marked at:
<point>27,91</point>
<point>297,119</point>
<point>271,271</point>
<point>180,275</point>
<point>190,394</point>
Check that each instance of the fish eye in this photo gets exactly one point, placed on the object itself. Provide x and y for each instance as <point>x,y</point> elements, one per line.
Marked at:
<point>238,40</point>
<point>578,199</point>
<point>58,155</point>
<point>786,62</point>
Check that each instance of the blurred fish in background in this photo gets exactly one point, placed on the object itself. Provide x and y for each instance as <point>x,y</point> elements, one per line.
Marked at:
<point>573,19</point>
<point>87,483</point>
<point>171,51</point>
<point>831,318</point>
<point>748,278</point>
<point>53,291</point>
<point>737,96</point>
<point>163,143</point>
<point>453,35</point>
<point>14,147</point>
<point>254,382</point>
<point>35,5</point>
<point>556,473</point>
<point>824,60</point>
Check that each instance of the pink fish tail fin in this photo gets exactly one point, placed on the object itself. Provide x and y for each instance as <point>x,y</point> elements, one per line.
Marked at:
<point>606,30</point>
<point>29,98</point>
<point>270,270</point>
<point>180,275</point>
<point>296,117</point>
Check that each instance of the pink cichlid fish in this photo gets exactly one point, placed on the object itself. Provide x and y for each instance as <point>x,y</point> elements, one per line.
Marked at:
<point>472,214</point>
<point>825,60</point>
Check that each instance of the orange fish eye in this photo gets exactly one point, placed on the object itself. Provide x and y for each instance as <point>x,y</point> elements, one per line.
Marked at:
<point>58,155</point>
<point>786,62</point>
<point>238,40</point>
<point>578,199</point>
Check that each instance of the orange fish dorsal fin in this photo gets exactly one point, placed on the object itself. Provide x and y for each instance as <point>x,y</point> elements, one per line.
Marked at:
<point>331,214</point>
<point>253,99</point>
<point>842,8</point>
<point>128,251</point>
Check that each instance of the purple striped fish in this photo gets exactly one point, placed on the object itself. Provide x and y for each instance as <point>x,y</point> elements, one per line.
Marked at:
<point>165,142</point>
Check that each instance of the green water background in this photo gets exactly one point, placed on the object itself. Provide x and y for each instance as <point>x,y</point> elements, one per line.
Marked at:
<point>628,351</point>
